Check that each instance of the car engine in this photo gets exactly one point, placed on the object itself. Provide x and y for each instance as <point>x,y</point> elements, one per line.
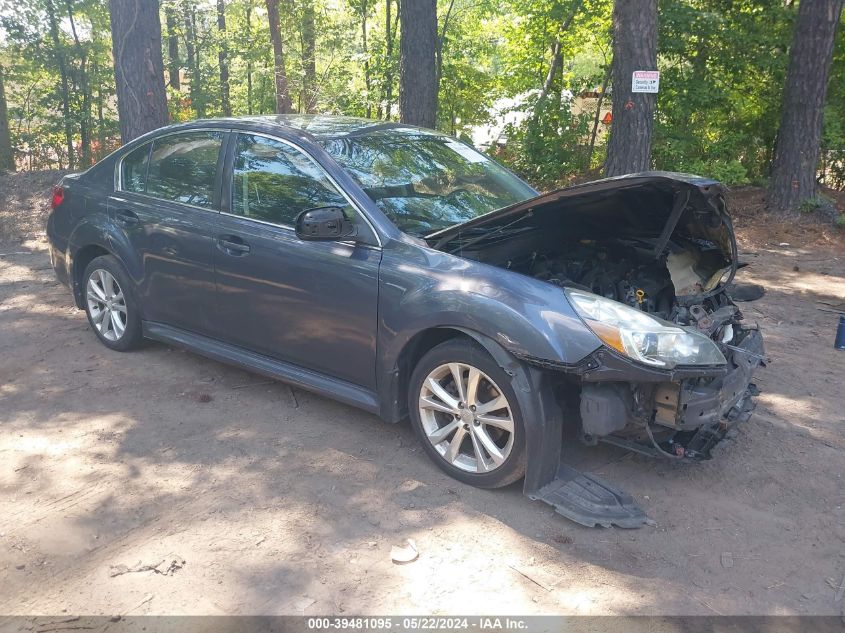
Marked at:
<point>674,286</point>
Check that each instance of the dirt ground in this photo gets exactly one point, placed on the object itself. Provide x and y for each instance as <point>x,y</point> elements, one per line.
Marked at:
<point>252,498</point>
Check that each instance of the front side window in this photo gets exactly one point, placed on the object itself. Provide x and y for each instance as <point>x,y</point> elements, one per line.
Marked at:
<point>133,169</point>
<point>182,167</point>
<point>275,182</point>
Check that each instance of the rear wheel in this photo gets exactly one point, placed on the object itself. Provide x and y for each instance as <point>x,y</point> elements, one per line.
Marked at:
<point>110,306</point>
<point>466,415</point>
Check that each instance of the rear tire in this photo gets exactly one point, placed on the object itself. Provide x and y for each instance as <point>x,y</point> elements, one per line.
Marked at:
<point>466,415</point>
<point>110,305</point>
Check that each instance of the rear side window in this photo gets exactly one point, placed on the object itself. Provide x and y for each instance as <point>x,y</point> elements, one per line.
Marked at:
<point>182,167</point>
<point>133,169</point>
<point>275,182</point>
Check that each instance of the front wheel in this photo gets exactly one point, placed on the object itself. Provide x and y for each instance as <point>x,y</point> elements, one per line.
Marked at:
<point>466,415</point>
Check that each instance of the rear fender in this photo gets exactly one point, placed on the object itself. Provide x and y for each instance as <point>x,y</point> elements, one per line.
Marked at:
<point>97,231</point>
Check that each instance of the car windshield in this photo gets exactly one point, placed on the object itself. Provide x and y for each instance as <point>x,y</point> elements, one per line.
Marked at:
<point>425,182</point>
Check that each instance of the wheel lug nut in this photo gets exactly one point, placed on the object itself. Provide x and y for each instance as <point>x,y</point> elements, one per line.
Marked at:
<point>472,407</point>
<point>461,405</point>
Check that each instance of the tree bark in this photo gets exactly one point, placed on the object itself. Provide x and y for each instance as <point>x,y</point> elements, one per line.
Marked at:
<point>309,58</point>
<point>7,156</point>
<point>283,102</point>
<point>634,48</point>
<point>172,49</point>
<point>417,63</point>
<point>797,151</point>
<point>138,67</point>
<point>223,59</point>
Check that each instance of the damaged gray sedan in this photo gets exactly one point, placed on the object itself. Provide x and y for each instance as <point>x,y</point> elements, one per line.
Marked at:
<point>401,271</point>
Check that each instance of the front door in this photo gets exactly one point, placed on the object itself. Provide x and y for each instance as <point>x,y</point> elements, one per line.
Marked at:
<point>312,304</point>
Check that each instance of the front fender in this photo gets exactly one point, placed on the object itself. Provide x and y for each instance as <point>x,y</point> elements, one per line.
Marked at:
<point>542,417</point>
<point>421,288</point>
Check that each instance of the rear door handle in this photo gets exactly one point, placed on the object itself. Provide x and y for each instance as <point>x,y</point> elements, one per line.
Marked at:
<point>127,218</point>
<point>232,245</point>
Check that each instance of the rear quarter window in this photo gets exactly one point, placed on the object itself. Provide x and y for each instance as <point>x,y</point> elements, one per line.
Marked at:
<point>182,167</point>
<point>133,169</point>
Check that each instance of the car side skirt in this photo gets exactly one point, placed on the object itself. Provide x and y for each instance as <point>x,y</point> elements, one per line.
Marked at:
<point>293,375</point>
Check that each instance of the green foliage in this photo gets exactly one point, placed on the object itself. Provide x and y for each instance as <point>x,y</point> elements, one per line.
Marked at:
<point>722,67</point>
<point>817,204</point>
<point>723,64</point>
<point>550,146</point>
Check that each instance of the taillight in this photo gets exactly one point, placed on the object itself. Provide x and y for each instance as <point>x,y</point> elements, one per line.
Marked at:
<point>58,196</point>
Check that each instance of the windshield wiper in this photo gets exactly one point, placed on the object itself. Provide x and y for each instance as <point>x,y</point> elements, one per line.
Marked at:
<point>483,236</point>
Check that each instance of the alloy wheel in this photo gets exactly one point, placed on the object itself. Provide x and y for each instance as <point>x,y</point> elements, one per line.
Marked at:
<point>466,417</point>
<point>106,304</point>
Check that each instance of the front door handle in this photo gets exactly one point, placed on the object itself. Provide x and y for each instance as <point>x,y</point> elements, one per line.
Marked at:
<point>232,245</point>
<point>126,218</point>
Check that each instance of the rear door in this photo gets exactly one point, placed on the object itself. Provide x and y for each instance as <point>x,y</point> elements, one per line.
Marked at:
<point>312,304</point>
<point>167,207</point>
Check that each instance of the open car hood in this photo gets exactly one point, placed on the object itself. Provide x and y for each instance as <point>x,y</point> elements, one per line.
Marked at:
<point>655,208</point>
<point>595,189</point>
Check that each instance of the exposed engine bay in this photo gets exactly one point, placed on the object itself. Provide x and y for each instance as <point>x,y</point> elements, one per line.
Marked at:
<point>666,248</point>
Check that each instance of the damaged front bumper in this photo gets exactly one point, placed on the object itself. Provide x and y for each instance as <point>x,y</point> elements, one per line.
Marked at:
<point>679,414</point>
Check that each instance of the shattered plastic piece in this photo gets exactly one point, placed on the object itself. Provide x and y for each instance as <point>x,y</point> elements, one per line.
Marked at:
<point>590,501</point>
<point>406,554</point>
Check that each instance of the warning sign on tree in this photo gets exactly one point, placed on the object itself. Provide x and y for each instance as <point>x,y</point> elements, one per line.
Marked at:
<point>645,81</point>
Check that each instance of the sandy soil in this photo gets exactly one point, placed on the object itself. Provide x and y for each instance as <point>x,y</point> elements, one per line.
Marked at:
<point>250,497</point>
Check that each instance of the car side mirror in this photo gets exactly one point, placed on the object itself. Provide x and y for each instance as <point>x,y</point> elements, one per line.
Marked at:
<point>324,224</point>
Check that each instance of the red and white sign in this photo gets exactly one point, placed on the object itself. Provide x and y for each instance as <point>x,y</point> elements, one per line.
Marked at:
<point>645,81</point>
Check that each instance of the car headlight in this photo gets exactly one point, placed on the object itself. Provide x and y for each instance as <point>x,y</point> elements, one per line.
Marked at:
<point>641,336</point>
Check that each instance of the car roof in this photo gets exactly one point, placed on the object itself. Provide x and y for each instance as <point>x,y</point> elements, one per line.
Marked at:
<point>317,127</point>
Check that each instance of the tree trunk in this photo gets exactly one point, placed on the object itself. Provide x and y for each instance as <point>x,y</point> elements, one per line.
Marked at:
<point>85,122</point>
<point>223,59</point>
<point>101,122</point>
<point>441,41</point>
<point>797,151</point>
<point>309,59</point>
<point>417,63</point>
<point>63,72</point>
<point>172,49</point>
<point>367,78</point>
<point>7,156</point>
<point>248,18</point>
<point>597,118</point>
<point>192,54</point>
<point>389,37</point>
<point>634,48</point>
<point>138,67</point>
<point>283,102</point>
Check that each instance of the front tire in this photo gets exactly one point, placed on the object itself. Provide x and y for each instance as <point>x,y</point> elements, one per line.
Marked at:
<point>466,415</point>
<point>110,305</point>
